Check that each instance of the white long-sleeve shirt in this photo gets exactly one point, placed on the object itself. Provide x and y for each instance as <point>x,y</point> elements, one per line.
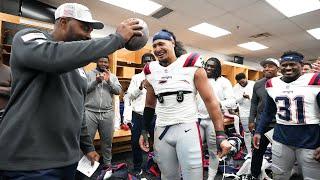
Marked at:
<point>127,111</point>
<point>244,103</point>
<point>222,89</point>
<point>137,96</point>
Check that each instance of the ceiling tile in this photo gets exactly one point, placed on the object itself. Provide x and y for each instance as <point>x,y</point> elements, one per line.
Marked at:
<point>231,5</point>
<point>308,20</point>
<point>281,27</point>
<point>235,25</point>
<point>259,13</point>
<point>200,9</point>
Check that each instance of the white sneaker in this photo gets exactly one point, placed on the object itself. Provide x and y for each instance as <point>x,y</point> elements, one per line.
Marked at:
<point>248,156</point>
<point>108,174</point>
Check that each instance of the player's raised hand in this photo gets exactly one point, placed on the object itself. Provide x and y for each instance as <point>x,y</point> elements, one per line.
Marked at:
<point>129,28</point>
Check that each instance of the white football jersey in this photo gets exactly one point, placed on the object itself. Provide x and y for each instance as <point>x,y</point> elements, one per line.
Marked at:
<point>296,101</point>
<point>178,76</point>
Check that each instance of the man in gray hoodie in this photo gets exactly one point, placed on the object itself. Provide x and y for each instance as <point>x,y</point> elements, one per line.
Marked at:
<point>43,125</point>
<point>102,85</point>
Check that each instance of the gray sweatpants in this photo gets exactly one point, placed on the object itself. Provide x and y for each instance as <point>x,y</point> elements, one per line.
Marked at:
<point>179,149</point>
<point>208,133</point>
<point>284,157</point>
<point>104,123</point>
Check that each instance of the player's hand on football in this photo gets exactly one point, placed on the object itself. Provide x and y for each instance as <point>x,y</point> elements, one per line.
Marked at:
<point>317,154</point>
<point>256,140</point>
<point>144,141</point>
<point>129,28</point>
<point>225,147</point>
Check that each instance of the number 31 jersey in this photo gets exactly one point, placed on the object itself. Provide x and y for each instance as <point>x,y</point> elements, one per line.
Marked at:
<point>296,101</point>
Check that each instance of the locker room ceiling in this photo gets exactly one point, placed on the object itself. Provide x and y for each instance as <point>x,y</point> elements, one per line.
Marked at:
<point>243,18</point>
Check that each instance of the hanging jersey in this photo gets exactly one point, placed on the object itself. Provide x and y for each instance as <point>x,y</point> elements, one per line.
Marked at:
<point>178,76</point>
<point>296,101</point>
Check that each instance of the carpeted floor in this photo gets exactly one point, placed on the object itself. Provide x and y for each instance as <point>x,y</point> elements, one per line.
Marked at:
<point>126,158</point>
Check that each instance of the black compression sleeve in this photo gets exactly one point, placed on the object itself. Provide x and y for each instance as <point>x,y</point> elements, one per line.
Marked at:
<point>318,100</point>
<point>148,114</point>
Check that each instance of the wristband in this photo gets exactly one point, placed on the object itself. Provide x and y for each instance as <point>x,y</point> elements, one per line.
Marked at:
<point>220,136</point>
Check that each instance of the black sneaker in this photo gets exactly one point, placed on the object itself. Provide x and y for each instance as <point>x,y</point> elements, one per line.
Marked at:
<point>138,173</point>
<point>250,177</point>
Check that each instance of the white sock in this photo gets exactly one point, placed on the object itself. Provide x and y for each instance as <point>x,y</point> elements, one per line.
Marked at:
<point>211,173</point>
<point>236,124</point>
<point>247,142</point>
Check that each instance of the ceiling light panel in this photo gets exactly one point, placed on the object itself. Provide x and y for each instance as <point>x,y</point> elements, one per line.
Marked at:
<point>314,32</point>
<point>292,8</point>
<point>253,46</point>
<point>209,30</point>
<point>144,7</point>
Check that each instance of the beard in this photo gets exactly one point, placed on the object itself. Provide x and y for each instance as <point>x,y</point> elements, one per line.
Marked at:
<point>72,36</point>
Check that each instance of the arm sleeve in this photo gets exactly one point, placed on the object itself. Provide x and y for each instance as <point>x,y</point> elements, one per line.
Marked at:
<point>114,85</point>
<point>267,115</point>
<point>318,100</point>
<point>31,49</point>
<point>133,91</point>
<point>86,143</point>
<point>229,97</point>
<point>254,105</point>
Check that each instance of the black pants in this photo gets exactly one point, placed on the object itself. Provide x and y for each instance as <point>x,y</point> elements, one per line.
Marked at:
<point>61,173</point>
<point>257,155</point>
<point>135,135</point>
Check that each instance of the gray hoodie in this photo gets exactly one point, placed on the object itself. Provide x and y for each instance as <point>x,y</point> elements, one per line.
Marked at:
<point>43,125</point>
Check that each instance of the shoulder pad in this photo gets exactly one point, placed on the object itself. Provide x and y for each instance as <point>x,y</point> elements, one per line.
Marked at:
<point>315,80</point>
<point>193,60</point>
<point>146,69</point>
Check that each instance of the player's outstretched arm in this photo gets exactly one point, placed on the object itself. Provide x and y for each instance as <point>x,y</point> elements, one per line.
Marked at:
<point>213,107</point>
<point>148,114</point>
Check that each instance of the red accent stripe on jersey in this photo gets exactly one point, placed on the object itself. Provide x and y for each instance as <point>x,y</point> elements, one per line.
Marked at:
<point>315,80</point>
<point>146,69</point>
<point>268,83</point>
<point>195,59</point>
<point>200,139</point>
<point>191,60</point>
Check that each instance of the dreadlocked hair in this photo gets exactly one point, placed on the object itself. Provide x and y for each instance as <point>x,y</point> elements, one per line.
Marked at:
<point>217,69</point>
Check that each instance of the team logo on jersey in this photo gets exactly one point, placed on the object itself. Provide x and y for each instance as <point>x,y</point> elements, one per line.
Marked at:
<point>164,79</point>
